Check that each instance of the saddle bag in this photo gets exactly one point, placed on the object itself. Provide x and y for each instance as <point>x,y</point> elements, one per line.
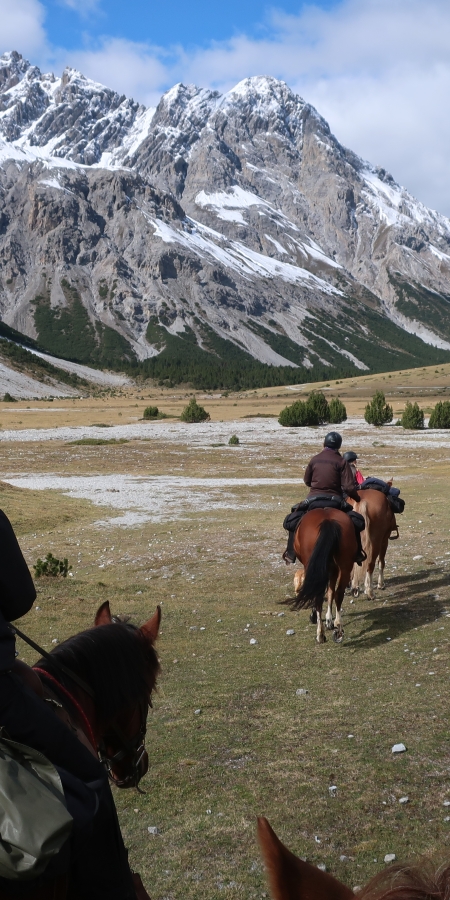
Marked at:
<point>296,514</point>
<point>34,821</point>
<point>397,504</point>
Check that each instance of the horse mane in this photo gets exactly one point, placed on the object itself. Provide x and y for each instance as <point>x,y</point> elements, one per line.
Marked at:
<point>116,661</point>
<point>425,880</point>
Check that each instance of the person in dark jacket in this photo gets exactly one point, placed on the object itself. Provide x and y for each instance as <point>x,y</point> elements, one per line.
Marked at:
<point>329,477</point>
<point>96,855</point>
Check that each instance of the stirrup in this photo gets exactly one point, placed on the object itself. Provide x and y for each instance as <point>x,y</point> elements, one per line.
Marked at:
<point>288,558</point>
<point>392,536</point>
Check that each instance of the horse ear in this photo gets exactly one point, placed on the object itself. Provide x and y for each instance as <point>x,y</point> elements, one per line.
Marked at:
<point>150,629</point>
<point>103,615</point>
<point>292,879</point>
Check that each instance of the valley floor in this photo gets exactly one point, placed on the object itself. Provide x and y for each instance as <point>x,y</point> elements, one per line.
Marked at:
<point>176,516</point>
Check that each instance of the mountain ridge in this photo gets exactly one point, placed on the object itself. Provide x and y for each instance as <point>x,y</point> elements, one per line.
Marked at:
<point>214,218</point>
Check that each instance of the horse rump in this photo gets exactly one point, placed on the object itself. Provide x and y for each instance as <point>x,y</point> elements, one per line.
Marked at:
<point>316,574</point>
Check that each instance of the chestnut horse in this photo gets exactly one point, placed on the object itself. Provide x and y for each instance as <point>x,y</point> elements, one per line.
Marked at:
<point>325,543</point>
<point>380,522</point>
<point>291,878</point>
<point>117,666</point>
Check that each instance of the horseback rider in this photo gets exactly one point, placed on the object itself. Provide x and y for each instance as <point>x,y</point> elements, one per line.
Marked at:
<point>351,457</point>
<point>95,853</point>
<point>329,476</point>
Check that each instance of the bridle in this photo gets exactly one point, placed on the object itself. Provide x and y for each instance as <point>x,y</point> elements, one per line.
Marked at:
<point>134,746</point>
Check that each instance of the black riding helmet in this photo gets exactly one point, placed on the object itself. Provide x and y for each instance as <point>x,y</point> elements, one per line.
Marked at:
<point>350,456</point>
<point>333,440</point>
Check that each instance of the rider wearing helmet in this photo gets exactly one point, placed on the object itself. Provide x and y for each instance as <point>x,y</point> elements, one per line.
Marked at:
<point>329,473</point>
<point>351,457</point>
<point>95,852</point>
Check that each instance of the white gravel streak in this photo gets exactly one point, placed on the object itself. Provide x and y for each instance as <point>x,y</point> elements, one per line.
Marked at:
<point>140,499</point>
<point>154,499</point>
<point>356,433</point>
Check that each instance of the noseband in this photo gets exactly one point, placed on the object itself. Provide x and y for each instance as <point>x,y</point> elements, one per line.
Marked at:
<point>134,747</point>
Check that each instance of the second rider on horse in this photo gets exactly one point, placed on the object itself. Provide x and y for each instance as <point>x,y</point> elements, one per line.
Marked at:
<point>329,478</point>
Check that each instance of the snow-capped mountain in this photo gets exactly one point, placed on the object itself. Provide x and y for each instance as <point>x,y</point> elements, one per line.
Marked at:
<point>232,224</point>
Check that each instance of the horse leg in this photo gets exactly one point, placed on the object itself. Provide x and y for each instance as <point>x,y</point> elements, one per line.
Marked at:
<point>320,636</point>
<point>338,633</point>
<point>355,580</point>
<point>329,613</point>
<point>381,564</point>
<point>368,585</point>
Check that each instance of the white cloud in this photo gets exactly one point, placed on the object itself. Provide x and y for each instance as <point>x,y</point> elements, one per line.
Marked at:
<point>377,70</point>
<point>135,70</point>
<point>82,7</point>
<point>22,26</point>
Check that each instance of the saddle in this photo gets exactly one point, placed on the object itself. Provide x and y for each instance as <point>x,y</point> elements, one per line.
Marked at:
<point>319,501</point>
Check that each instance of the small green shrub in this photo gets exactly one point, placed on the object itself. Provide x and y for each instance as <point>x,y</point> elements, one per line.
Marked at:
<point>234,440</point>
<point>412,416</point>
<point>338,412</point>
<point>297,415</point>
<point>194,413</point>
<point>378,412</point>
<point>52,567</point>
<point>151,412</point>
<point>440,417</point>
<point>7,398</point>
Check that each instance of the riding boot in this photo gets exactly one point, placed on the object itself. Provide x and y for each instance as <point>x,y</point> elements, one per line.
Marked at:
<point>289,554</point>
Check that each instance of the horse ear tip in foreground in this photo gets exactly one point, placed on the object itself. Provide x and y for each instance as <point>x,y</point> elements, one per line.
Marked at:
<point>291,878</point>
<point>149,629</point>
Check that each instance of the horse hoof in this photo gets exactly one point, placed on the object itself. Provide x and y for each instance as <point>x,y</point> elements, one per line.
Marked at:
<point>322,639</point>
<point>355,592</point>
<point>313,617</point>
<point>329,625</point>
<point>338,635</point>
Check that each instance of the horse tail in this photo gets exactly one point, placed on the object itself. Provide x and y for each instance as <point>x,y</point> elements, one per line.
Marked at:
<point>367,538</point>
<point>317,571</point>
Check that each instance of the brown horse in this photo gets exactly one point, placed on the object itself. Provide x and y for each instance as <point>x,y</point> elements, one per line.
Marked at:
<point>117,666</point>
<point>380,523</point>
<point>292,879</point>
<point>325,543</point>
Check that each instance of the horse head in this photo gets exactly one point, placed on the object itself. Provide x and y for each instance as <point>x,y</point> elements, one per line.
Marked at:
<point>122,748</point>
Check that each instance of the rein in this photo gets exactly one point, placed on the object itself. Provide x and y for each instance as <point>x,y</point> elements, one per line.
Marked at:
<point>134,745</point>
<point>71,698</point>
<point>58,665</point>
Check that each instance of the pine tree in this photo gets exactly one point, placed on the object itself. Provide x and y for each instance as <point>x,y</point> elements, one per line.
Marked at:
<point>378,412</point>
<point>194,413</point>
<point>440,417</point>
<point>412,416</point>
<point>338,412</point>
<point>298,414</point>
<point>318,404</point>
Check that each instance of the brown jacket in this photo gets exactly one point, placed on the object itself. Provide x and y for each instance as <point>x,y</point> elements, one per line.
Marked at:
<point>328,473</point>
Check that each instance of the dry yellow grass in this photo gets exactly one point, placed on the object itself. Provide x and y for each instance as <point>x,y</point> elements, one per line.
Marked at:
<point>426,385</point>
<point>257,747</point>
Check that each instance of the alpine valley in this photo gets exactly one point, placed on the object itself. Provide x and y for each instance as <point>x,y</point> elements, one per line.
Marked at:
<point>226,240</point>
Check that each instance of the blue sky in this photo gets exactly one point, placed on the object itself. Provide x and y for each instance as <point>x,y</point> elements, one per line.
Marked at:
<point>162,24</point>
<point>377,70</point>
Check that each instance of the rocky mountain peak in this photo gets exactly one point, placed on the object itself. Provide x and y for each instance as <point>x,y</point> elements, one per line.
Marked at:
<point>235,223</point>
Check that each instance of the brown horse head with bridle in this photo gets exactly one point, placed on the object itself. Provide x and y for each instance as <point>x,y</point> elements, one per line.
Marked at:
<point>291,878</point>
<point>326,545</point>
<point>104,678</point>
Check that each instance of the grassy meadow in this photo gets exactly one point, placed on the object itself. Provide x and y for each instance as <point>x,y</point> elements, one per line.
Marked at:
<point>229,738</point>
